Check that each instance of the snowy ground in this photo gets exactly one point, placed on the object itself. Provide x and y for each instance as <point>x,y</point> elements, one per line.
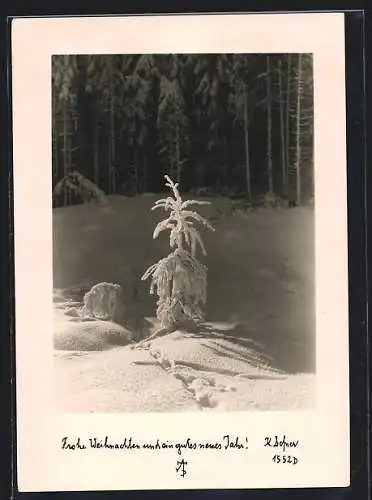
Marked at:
<point>257,349</point>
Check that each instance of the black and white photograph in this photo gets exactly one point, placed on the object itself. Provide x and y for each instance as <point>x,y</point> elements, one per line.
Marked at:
<point>181,274</point>
<point>183,232</point>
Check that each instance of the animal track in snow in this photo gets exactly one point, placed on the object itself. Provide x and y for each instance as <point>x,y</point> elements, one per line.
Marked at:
<point>202,387</point>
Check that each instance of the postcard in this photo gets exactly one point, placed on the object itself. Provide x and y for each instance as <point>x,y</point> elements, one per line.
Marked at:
<point>180,219</point>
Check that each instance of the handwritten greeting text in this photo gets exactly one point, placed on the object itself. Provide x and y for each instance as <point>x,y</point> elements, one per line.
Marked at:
<point>226,442</point>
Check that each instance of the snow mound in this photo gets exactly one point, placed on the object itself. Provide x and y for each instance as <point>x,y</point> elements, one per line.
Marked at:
<point>91,336</point>
<point>74,332</point>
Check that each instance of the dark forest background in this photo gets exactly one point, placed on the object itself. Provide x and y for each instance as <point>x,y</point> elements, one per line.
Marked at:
<point>227,123</point>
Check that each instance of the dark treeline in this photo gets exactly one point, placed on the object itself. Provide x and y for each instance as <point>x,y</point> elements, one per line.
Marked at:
<point>229,122</point>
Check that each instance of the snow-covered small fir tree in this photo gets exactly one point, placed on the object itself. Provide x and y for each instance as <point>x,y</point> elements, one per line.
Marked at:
<point>179,280</point>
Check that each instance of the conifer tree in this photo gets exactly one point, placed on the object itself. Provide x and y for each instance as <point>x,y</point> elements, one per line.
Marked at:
<point>179,280</point>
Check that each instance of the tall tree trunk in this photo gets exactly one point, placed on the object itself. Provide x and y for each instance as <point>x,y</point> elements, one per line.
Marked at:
<point>81,107</point>
<point>178,164</point>
<point>96,148</point>
<point>69,155</point>
<point>65,132</point>
<point>287,116</point>
<point>137,159</point>
<point>282,133</point>
<point>269,127</point>
<point>112,130</point>
<point>109,167</point>
<point>171,166</point>
<point>246,143</point>
<point>56,152</point>
<point>65,159</point>
<point>145,173</point>
<point>298,133</point>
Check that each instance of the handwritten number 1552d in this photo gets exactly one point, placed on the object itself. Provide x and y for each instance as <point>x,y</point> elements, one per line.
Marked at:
<point>285,459</point>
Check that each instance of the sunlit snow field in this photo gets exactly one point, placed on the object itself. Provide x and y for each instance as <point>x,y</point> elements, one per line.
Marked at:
<point>256,350</point>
